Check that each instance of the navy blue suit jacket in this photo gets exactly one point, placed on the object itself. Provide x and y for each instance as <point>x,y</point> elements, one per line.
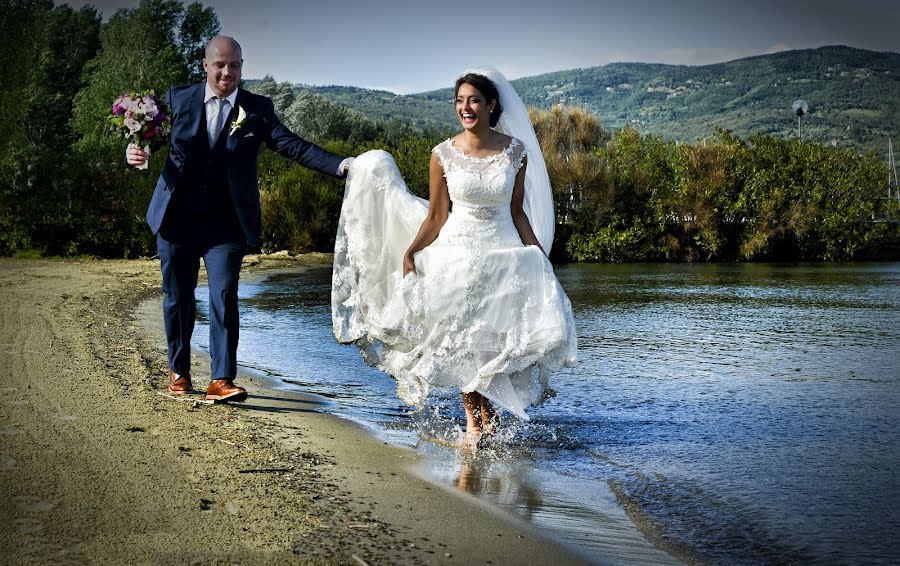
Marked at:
<point>261,125</point>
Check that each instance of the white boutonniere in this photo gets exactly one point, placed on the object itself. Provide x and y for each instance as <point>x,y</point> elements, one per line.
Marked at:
<point>240,120</point>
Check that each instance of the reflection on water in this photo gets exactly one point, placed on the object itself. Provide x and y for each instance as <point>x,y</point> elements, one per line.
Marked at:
<point>734,413</point>
<point>505,483</point>
<point>581,512</point>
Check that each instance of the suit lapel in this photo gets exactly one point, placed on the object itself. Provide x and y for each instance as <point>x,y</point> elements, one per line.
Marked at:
<point>232,140</point>
<point>195,110</point>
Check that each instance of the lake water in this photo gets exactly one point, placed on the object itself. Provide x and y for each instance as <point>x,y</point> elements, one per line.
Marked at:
<point>732,414</point>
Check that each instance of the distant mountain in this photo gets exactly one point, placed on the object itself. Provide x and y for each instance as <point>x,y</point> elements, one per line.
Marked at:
<point>853,96</point>
<point>421,110</point>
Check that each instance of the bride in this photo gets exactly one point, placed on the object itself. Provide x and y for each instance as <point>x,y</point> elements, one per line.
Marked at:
<point>462,297</point>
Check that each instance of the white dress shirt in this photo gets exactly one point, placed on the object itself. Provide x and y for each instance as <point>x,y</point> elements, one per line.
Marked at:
<point>212,107</point>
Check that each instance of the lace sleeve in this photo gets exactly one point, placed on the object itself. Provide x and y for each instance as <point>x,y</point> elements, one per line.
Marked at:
<point>443,155</point>
<point>518,155</point>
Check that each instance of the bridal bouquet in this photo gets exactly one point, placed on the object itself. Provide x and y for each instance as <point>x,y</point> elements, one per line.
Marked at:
<point>140,117</point>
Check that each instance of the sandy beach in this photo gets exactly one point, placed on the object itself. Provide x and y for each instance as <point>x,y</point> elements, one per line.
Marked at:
<point>98,466</point>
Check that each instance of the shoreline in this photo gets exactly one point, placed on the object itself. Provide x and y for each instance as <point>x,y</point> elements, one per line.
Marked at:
<point>584,514</point>
<point>99,467</point>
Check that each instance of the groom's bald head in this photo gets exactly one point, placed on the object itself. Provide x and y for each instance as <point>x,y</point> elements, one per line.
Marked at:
<point>222,41</point>
<point>223,62</point>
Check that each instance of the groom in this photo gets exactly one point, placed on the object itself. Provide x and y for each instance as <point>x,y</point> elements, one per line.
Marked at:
<point>206,205</point>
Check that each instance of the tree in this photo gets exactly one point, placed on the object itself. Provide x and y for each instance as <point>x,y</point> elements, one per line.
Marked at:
<point>282,94</point>
<point>145,48</point>
<point>568,138</point>
<point>21,23</point>
<point>47,51</point>
<point>198,26</point>
<point>617,221</point>
<point>691,206</point>
<point>318,119</point>
<point>138,53</point>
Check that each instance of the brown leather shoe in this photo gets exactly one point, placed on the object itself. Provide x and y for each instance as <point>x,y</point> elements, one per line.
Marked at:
<point>179,384</point>
<point>224,390</point>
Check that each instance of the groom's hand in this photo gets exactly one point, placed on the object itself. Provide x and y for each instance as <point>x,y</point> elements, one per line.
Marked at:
<point>344,167</point>
<point>135,156</point>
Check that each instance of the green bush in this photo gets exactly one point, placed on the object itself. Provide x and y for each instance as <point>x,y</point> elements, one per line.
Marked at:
<point>617,242</point>
<point>300,207</point>
<point>724,199</point>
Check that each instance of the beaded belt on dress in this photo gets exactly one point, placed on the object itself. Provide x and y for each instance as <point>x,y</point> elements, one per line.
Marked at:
<point>479,212</point>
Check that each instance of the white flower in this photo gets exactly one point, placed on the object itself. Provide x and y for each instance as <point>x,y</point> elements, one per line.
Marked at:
<point>240,120</point>
<point>150,109</point>
<point>133,125</point>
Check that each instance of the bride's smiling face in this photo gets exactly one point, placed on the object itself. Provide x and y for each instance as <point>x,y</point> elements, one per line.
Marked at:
<point>472,109</point>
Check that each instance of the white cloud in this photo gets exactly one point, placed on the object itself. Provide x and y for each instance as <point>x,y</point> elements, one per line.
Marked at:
<point>620,57</point>
<point>778,47</point>
<point>703,55</point>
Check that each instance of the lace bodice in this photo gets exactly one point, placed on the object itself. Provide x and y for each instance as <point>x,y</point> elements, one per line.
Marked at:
<point>481,191</point>
<point>480,182</point>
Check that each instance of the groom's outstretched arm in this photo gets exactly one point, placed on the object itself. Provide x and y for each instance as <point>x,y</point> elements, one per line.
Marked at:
<point>292,146</point>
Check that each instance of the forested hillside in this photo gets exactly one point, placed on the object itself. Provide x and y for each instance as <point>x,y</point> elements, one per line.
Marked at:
<point>853,96</point>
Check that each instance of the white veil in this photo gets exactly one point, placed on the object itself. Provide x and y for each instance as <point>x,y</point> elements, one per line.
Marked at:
<point>514,122</point>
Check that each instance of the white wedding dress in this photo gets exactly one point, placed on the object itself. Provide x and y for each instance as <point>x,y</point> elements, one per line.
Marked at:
<point>483,312</point>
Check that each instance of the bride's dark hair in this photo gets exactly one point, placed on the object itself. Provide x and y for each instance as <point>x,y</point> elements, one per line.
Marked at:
<point>486,87</point>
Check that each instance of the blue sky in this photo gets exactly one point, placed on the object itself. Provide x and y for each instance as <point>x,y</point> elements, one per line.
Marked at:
<point>417,46</point>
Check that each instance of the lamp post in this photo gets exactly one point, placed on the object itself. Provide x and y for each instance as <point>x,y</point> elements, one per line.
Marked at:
<point>800,108</point>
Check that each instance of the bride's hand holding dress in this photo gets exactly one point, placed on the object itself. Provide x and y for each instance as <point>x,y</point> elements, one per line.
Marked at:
<point>438,211</point>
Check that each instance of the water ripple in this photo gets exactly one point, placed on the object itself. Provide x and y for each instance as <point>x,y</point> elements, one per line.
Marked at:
<point>740,414</point>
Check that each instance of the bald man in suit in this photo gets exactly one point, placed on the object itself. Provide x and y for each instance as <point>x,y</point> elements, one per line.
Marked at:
<point>206,205</point>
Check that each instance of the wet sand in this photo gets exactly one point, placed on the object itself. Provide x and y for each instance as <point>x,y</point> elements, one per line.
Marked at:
<point>96,466</point>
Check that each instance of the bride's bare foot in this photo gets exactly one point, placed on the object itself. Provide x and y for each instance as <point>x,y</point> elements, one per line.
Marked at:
<point>470,439</point>
<point>472,406</point>
<point>489,419</point>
